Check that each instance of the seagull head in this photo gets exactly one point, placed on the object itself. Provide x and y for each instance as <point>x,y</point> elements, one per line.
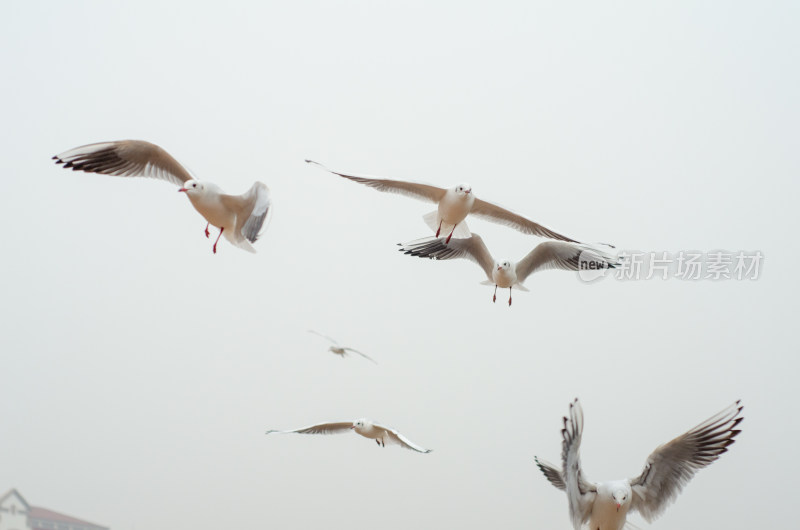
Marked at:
<point>361,424</point>
<point>463,190</point>
<point>621,496</point>
<point>191,187</point>
<point>503,265</point>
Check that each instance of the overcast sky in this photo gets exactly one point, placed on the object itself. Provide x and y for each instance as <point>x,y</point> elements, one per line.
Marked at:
<point>140,371</point>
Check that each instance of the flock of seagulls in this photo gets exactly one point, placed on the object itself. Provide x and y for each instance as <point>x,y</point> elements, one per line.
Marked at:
<point>241,218</point>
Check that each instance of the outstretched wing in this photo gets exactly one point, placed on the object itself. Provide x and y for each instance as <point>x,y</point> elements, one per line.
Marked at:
<point>498,214</point>
<point>252,210</point>
<point>125,158</point>
<point>398,438</point>
<point>423,192</point>
<point>580,492</point>
<point>320,428</point>
<point>323,336</point>
<point>364,355</point>
<point>672,465</point>
<point>471,248</point>
<point>563,255</point>
<point>551,472</point>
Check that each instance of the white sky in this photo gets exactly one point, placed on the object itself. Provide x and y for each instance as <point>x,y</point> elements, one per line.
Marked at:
<point>139,371</point>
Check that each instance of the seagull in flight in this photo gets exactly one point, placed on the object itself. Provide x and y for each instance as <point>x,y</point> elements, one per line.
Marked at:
<point>605,505</point>
<point>341,350</point>
<point>454,204</point>
<point>366,428</point>
<point>239,217</point>
<point>511,274</point>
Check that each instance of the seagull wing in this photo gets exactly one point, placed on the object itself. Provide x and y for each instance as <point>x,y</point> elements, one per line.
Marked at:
<point>125,158</point>
<point>323,336</point>
<point>398,438</point>
<point>562,255</point>
<point>498,214</point>
<point>364,355</point>
<point>580,492</point>
<point>321,428</point>
<point>471,248</point>
<point>552,473</point>
<point>670,467</point>
<point>252,210</point>
<point>416,190</point>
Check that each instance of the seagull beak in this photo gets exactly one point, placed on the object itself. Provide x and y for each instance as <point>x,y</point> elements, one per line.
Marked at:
<point>182,189</point>
<point>468,191</point>
<point>617,506</point>
<point>353,427</point>
<point>499,267</point>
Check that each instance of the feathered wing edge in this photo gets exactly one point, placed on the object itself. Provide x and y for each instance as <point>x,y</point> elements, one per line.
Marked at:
<point>580,492</point>
<point>672,465</point>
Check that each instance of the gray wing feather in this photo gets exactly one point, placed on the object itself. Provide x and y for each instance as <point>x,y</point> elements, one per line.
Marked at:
<point>580,492</point>
<point>321,428</point>
<point>323,336</point>
<point>562,255</point>
<point>364,355</point>
<point>402,440</point>
<point>551,473</point>
<point>262,207</point>
<point>416,190</point>
<point>125,158</point>
<point>497,214</point>
<point>672,465</point>
<point>471,248</point>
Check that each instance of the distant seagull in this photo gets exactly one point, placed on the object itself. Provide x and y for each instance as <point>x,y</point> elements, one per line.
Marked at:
<point>668,469</point>
<point>341,350</point>
<point>239,217</point>
<point>366,428</point>
<point>508,274</point>
<point>454,205</point>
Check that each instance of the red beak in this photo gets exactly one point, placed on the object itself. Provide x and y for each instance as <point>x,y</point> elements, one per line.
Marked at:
<point>617,506</point>
<point>182,189</point>
<point>353,427</point>
<point>499,267</point>
<point>468,191</point>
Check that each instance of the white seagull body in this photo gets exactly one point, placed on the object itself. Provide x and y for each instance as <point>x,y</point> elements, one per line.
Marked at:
<point>342,351</point>
<point>366,428</point>
<point>239,217</point>
<point>510,274</point>
<point>605,505</point>
<point>454,205</point>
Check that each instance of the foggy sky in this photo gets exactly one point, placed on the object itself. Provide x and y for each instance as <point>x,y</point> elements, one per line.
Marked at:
<point>140,371</point>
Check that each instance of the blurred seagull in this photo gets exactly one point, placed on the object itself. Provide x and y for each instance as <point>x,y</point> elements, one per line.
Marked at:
<point>366,428</point>
<point>668,469</point>
<point>341,350</point>
<point>508,274</point>
<point>239,217</point>
<point>454,204</point>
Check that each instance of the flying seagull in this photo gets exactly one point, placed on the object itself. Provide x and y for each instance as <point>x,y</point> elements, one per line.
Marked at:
<point>366,428</point>
<point>668,469</point>
<point>341,350</point>
<point>510,274</point>
<point>239,217</point>
<point>454,204</point>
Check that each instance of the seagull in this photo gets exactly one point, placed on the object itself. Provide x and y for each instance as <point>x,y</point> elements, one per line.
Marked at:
<point>239,217</point>
<point>366,428</point>
<point>341,350</point>
<point>668,469</point>
<point>510,274</point>
<point>454,204</point>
